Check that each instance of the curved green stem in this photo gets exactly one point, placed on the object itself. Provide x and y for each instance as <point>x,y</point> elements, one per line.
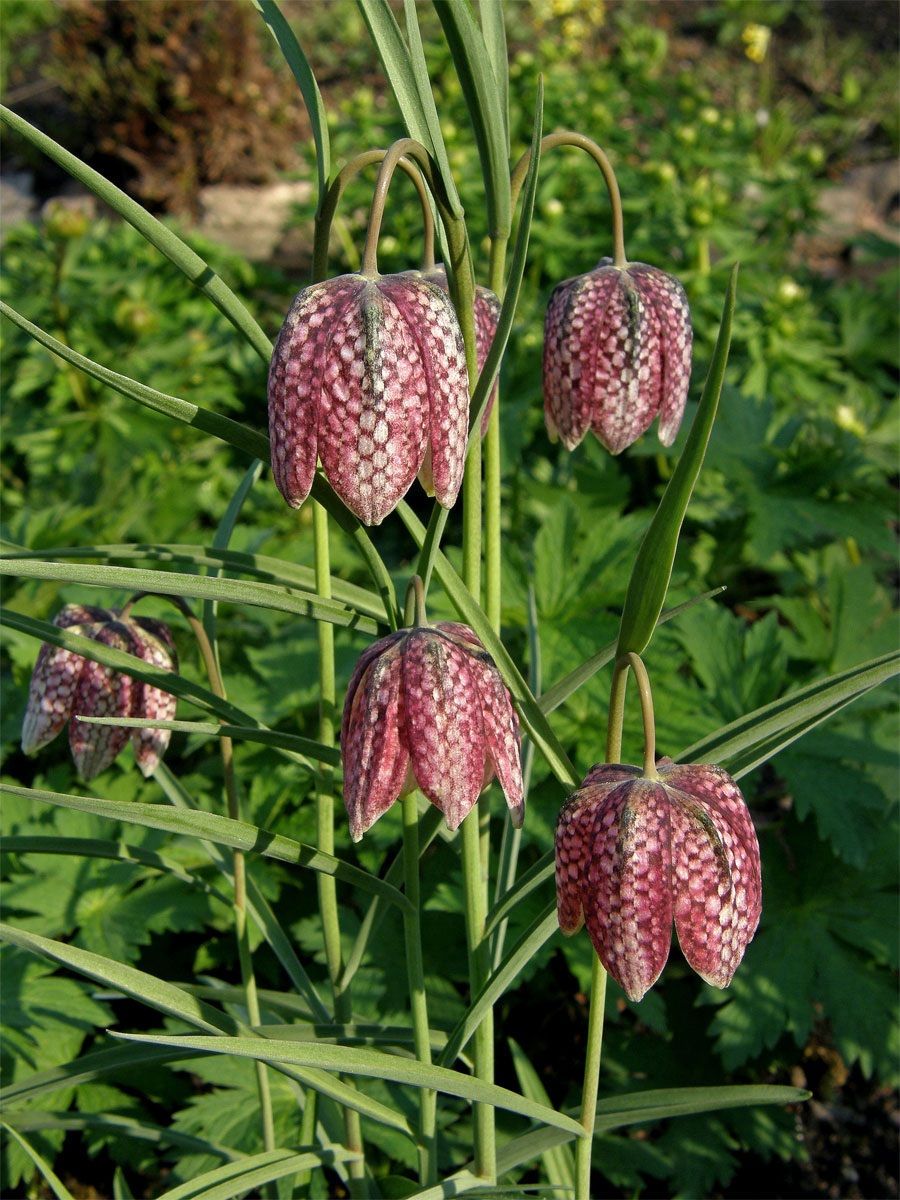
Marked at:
<point>569,138</point>
<point>417,998</point>
<point>414,608</point>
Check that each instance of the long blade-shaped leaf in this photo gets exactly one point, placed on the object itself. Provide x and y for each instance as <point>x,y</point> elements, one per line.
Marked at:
<point>413,94</point>
<point>223,830</point>
<point>558,1160</point>
<point>494,31</point>
<point>534,877</point>
<point>246,733</point>
<point>487,108</point>
<point>238,1178</point>
<point>309,89</point>
<point>58,1188</point>
<point>373,1064</point>
<point>123,1127</point>
<point>175,250</point>
<point>806,704</point>
<point>272,570</point>
<point>199,587</point>
<point>653,565</point>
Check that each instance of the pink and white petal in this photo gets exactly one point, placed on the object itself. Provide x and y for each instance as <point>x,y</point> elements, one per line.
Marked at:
<point>670,302</point>
<point>149,701</point>
<point>102,692</point>
<point>602,773</point>
<point>622,411</point>
<point>573,841</point>
<point>362,665</point>
<point>373,419</point>
<point>432,321</point>
<point>375,760</point>
<point>627,897</point>
<point>83,614</point>
<point>443,727</point>
<point>50,695</point>
<point>569,353</point>
<point>487,314</point>
<point>295,382</point>
<point>501,731</point>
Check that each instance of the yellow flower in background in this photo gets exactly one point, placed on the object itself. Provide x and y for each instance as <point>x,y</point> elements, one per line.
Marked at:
<point>756,39</point>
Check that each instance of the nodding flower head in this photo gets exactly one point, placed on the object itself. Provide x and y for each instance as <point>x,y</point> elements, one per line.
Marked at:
<point>64,685</point>
<point>427,707</point>
<point>633,854</point>
<point>369,375</point>
<point>617,353</point>
<point>487,314</point>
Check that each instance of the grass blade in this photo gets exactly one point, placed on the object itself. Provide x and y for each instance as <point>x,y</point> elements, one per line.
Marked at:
<point>56,1185</point>
<point>237,1178</point>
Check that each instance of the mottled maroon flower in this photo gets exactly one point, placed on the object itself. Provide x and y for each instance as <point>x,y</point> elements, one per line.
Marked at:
<point>65,685</point>
<point>617,351</point>
<point>632,854</point>
<point>427,706</point>
<point>369,375</point>
<point>487,313</point>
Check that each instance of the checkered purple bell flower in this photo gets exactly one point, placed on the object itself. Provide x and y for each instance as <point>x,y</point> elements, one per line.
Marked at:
<point>617,353</point>
<point>65,685</point>
<point>635,854</point>
<point>369,376</point>
<point>427,707</point>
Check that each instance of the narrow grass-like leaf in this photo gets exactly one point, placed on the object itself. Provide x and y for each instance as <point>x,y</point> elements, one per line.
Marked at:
<point>494,32</point>
<point>221,427</point>
<point>569,684</point>
<point>272,570</point>
<point>372,1064</point>
<point>224,831</point>
<point>114,851</point>
<point>89,1067</point>
<point>794,710</point>
<point>534,877</point>
<point>176,251</point>
<point>413,93</point>
<point>56,1185</point>
<point>538,932</point>
<point>243,733</point>
<point>637,1107</point>
<point>529,711</point>
<point>199,587</point>
<point>127,1127</point>
<point>558,1160</point>
<point>309,89</point>
<point>652,568</point>
<point>487,108</point>
<point>222,537</point>
<point>238,1178</point>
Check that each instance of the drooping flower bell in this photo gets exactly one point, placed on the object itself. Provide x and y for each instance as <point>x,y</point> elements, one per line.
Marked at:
<point>486,308</point>
<point>635,853</point>
<point>65,685</point>
<point>426,707</point>
<point>369,375</point>
<point>617,353</point>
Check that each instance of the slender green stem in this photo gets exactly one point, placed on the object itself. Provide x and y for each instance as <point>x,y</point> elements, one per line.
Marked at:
<point>492,535</point>
<point>474,889</point>
<point>239,866</point>
<point>326,885</point>
<point>643,682</point>
<point>417,999</point>
<point>414,609</point>
<point>591,1082</point>
<point>569,138</point>
<point>616,711</point>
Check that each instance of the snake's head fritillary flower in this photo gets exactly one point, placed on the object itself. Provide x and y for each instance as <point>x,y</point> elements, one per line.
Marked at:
<point>617,352</point>
<point>65,685</point>
<point>369,375</point>
<point>487,313</point>
<point>427,707</point>
<point>633,854</point>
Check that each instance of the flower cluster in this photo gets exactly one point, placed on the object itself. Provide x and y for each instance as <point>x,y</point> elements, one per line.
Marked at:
<point>65,685</point>
<point>634,853</point>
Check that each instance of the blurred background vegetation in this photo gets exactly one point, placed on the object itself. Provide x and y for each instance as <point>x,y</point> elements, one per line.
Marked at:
<point>764,132</point>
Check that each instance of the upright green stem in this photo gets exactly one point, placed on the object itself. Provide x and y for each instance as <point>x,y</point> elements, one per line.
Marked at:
<point>239,868</point>
<point>591,1082</point>
<point>492,533</point>
<point>417,999</point>
<point>475,896</point>
<point>327,891</point>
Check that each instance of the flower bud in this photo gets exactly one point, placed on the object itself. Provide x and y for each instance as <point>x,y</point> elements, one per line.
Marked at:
<point>633,854</point>
<point>65,685</point>
<point>369,375</point>
<point>617,352</point>
<point>427,707</point>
